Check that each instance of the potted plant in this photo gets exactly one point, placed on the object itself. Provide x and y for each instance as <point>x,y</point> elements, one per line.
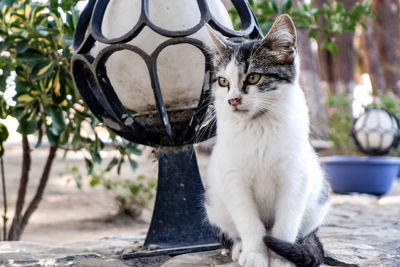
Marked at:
<point>374,133</point>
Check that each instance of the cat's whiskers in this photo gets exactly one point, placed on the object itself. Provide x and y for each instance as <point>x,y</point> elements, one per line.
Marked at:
<point>206,124</point>
<point>200,134</point>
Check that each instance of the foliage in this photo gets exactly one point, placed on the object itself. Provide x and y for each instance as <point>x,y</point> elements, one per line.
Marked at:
<point>340,123</point>
<point>38,44</point>
<point>35,52</point>
<point>130,194</point>
<point>388,101</point>
<point>331,19</point>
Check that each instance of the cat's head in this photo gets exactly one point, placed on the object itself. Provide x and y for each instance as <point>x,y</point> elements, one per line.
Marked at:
<point>253,78</point>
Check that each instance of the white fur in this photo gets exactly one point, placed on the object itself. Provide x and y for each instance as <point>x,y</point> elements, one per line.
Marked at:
<point>263,168</point>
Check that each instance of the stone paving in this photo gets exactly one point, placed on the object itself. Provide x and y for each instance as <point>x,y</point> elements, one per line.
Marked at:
<point>361,230</point>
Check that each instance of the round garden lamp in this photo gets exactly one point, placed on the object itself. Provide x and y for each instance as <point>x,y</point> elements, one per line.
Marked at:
<point>144,69</point>
<point>376,131</point>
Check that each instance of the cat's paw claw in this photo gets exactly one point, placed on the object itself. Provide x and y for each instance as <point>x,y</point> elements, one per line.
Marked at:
<point>236,250</point>
<point>253,259</point>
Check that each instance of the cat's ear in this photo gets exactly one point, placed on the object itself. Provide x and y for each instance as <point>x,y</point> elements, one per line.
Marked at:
<point>218,42</point>
<point>282,38</point>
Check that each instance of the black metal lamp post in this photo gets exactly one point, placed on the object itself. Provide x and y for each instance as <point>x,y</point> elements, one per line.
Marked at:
<point>376,132</point>
<point>178,224</point>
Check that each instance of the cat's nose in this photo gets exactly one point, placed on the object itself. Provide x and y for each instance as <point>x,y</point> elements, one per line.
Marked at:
<point>235,101</point>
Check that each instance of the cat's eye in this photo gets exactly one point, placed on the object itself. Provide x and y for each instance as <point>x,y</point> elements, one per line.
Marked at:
<point>253,78</point>
<point>223,82</point>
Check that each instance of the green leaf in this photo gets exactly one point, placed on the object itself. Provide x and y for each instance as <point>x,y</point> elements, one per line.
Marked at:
<point>286,6</point>
<point>364,26</point>
<point>273,7</point>
<point>95,153</point>
<point>313,33</point>
<point>133,164</point>
<point>338,7</point>
<point>1,150</point>
<point>65,136</point>
<point>9,2</point>
<point>3,109</point>
<point>3,133</point>
<point>22,46</point>
<point>43,69</point>
<point>134,150</point>
<point>40,137</point>
<point>330,46</point>
<point>112,163</point>
<point>22,87</point>
<point>3,78</point>
<point>95,180</point>
<point>57,118</point>
<point>53,139</point>
<point>28,123</point>
<point>89,165</point>
<point>31,55</point>
<point>24,98</point>
<point>306,7</point>
<point>120,165</point>
<point>67,4</point>
<point>57,85</point>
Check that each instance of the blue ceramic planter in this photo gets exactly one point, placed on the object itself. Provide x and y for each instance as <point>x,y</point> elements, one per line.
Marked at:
<point>371,175</point>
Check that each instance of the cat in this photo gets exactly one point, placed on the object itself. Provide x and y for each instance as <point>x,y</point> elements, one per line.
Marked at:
<point>266,193</point>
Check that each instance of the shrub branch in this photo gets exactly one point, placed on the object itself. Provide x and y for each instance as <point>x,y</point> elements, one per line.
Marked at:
<point>15,229</point>
<point>3,179</point>
<point>42,185</point>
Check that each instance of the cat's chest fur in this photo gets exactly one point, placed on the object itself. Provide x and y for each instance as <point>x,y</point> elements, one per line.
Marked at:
<point>252,156</point>
<point>257,154</point>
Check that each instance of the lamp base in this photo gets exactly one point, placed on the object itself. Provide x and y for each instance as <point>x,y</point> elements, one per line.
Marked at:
<point>169,251</point>
<point>179,223</point>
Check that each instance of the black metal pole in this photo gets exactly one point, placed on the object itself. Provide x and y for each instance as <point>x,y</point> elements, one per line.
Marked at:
<point>178,224</point>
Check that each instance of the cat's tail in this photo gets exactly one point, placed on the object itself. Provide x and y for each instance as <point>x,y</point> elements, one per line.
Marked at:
<point>307,252</point>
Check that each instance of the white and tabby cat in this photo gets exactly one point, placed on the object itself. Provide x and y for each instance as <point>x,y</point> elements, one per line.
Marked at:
<point>265,187</point>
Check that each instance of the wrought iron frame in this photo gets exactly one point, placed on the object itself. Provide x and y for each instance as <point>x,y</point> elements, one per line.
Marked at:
<point>95,87</point>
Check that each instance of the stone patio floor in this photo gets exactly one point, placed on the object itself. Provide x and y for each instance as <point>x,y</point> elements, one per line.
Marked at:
<point>361,230</point>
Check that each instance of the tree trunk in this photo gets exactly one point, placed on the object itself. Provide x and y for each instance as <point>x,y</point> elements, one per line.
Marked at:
<point>3,182</point>
<point>396,22</point>
<point>396,27</point>
<point>19,220</point>
<point>387,43</point>
<point>338,69</point>
<point>343,63</point>
<point>311,84</point>
<point>370,58</point>
<point>42,185</point>
<point>15,229</point>
<point>324,57</point>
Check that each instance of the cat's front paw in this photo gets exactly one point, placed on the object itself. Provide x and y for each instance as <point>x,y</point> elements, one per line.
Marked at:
<point>253,259</point>
<point>236,250</point>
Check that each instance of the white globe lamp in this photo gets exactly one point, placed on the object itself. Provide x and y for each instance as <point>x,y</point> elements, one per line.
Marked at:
<point>376,131</point>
